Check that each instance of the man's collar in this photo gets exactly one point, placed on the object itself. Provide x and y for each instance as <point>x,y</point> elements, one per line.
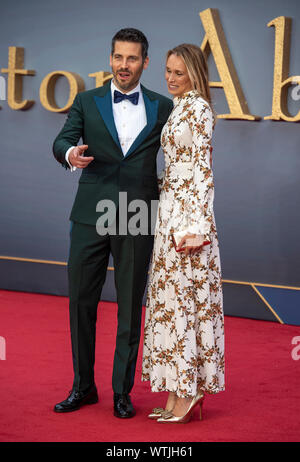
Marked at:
<point>136,89</point>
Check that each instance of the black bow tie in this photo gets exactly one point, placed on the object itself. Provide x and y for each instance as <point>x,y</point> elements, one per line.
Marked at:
<point>118,97</point>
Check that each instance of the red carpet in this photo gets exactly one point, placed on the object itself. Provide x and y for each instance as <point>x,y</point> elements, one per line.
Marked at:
<point>261,401</point>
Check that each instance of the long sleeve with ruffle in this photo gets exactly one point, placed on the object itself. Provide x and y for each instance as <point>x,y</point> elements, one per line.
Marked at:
<point>201,194</point>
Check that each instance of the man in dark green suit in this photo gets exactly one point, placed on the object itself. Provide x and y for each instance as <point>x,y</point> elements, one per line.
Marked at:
<point>120,125</point>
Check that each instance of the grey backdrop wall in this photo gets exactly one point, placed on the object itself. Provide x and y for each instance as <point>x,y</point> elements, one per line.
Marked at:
<point>256,164</point>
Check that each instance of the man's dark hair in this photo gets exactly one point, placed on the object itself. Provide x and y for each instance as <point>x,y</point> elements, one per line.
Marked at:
<point>131,35</point>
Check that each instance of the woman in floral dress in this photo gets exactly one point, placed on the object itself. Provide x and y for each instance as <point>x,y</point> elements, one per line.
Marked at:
<point>184,327</point>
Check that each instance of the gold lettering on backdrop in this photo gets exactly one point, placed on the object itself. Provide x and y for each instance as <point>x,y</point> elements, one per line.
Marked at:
<point>15,73</point>
<point>47,90</point>
<point>281,81</point>
<point>215,42</point>
<point>101,77</point>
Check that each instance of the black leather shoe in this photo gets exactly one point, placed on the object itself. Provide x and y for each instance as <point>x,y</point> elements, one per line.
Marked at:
<point>76,399</point>
<point>123,407</point>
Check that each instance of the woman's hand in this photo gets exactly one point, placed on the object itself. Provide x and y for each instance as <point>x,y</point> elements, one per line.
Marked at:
<point>190,244</point>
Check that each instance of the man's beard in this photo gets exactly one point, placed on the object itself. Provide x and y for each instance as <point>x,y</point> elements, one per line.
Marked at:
<point>126,85</point>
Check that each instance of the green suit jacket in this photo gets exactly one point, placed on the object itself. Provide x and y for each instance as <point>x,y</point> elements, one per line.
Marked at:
<point>91,118</point>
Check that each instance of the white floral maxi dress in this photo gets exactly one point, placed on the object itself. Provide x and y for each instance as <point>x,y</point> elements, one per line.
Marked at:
<point>184,322</point>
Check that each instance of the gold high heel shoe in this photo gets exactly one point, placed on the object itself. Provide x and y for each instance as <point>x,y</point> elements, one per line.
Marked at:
<point>156,413</point>
<point>168,417</point>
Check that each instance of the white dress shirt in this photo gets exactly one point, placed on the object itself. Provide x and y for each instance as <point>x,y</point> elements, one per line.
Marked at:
<point>130,119</point>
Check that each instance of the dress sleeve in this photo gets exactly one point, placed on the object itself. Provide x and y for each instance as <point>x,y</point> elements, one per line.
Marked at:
<point>201,193</point>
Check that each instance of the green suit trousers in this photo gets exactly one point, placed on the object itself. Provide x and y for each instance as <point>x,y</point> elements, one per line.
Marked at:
<point>87,268</point>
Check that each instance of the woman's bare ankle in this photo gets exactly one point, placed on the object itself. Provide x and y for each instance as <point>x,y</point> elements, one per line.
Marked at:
<point>182,406</point>
<point>172,397</point>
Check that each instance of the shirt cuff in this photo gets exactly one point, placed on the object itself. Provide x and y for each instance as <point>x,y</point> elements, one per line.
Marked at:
<point>72,168</point>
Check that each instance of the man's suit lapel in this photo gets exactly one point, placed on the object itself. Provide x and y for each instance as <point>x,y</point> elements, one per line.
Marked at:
<point>151,107</point>
<point>104,105</point>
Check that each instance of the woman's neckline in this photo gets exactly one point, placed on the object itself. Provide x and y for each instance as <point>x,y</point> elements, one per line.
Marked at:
<point>176,99</point>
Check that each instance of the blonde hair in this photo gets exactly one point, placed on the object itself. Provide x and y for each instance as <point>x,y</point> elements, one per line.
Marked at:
<point>197,69</point>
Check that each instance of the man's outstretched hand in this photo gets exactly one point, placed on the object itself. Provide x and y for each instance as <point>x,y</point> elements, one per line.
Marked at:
<point>77,159</point>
